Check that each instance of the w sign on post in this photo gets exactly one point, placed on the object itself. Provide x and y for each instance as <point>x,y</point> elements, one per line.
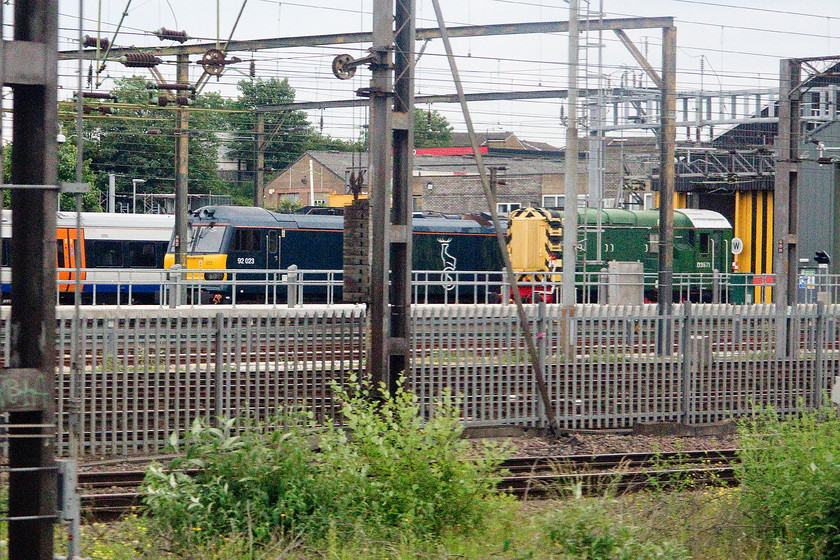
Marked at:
<point>737,245</point>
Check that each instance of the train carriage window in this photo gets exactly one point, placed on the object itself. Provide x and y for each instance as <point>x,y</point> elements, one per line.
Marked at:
<point>60,254</point>
<point>104,254</point>
<point>5,257</point>
<point>246,240</point>
<point>141,254</point>
<point>160,253</point>
<point>272,241</point>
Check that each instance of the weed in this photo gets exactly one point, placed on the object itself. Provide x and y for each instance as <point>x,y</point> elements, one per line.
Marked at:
<point>400,472</point>
<point>790,482</point>
<point>585,529</point>
<point>253,482</point>
<point>387,473</point>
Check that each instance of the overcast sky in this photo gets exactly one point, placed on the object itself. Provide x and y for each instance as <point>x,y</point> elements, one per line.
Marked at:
<point>723,44</point>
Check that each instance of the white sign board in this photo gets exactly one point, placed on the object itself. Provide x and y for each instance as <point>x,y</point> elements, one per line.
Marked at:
<point>737,245</point>
<point>835,391</point>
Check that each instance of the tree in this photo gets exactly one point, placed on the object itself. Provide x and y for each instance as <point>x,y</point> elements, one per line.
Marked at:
<point>288,134</point>
<point>431,129</point>
<point>140,143</point>
<point>320,142</point>
<point>66,174</point>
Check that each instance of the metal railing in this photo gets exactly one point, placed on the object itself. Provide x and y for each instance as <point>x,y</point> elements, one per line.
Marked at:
<point>150,371</point>
<point>273,287</point>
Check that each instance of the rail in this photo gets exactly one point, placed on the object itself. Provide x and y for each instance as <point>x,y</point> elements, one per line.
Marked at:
<point>107,494</point>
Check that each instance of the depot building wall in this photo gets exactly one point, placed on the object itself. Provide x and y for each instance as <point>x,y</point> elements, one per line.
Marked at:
<point>464,194</point>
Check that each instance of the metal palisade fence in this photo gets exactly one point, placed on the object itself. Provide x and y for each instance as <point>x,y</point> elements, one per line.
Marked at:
<point>149,372</point>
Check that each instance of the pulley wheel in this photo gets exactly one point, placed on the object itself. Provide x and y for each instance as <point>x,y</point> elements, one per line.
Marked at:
<point>213,62</point>
<point>341,69</point>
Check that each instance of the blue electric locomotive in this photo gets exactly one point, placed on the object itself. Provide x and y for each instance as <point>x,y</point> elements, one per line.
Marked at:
<point>224,240</point>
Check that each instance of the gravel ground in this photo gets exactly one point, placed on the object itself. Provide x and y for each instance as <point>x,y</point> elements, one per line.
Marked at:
<point>589,444</point>
<point>574,444</point>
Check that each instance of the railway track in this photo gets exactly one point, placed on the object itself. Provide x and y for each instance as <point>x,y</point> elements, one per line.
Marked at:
<point>618,472</point>
<point>109,494</point>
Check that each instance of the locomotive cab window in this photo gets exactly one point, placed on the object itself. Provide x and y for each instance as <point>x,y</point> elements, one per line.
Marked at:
<point>704,246</point>
<point>207,239</point>
<point>246,240</point>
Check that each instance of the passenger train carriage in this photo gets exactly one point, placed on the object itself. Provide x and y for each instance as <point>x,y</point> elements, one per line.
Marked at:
<point>121,254</point>
<point>702,244</point>
<point>238,239</point>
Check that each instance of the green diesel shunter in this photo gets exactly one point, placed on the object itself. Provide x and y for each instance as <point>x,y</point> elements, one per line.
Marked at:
<point>702,245</point>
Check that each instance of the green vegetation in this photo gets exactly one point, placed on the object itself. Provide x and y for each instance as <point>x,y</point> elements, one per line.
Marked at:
<point>389,475</point>
<point>136,139</point>
<point>288,133</point>
<point>392,486</point>
<point>288,206</point>
<point>791,482</point>
<point>431,129</point>
<point>592,530</point>
<point>66,173</point>
<point>140,142</point>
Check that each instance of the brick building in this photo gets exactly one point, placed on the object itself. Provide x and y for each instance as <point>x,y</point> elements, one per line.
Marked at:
<point>314,176</point>
<point>444,179</point>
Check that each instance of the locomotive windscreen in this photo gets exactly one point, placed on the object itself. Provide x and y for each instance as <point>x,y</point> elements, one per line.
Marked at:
<point>206,239</point>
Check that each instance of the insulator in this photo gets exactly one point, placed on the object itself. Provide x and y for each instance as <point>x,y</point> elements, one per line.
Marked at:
<point>86,109</point>
<point>92,41</point>
<point>105,110</point>
<point>252,71</point>
<point>98,95</point>
<point>183,101</point>
<point>153,131</point>
<point>160,100</point>
<point>140,60</point>
<point>90,75</point>
<point>165,34</point>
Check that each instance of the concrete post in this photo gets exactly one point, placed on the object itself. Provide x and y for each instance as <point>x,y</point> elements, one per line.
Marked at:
<point>182,154</point>
<point>667,179</point>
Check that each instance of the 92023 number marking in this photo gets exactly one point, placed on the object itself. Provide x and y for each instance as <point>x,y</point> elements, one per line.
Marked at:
<point>245,260</point>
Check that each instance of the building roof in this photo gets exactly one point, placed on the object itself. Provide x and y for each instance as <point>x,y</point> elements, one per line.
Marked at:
<point>339,162</point>
<point>428,165</point>
<point>484,138</point>
<point>516,164</point>
<point>635,141</point>
<point>463,138</point>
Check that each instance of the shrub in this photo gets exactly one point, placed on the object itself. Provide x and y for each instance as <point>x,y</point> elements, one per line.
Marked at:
<point>586,529</point>
<point>388,473</point>
<point>260,484</point>
<point>790,481</point>
<point>398,471</point>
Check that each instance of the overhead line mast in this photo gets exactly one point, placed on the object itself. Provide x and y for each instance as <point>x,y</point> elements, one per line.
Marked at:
<point>366,37</point>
